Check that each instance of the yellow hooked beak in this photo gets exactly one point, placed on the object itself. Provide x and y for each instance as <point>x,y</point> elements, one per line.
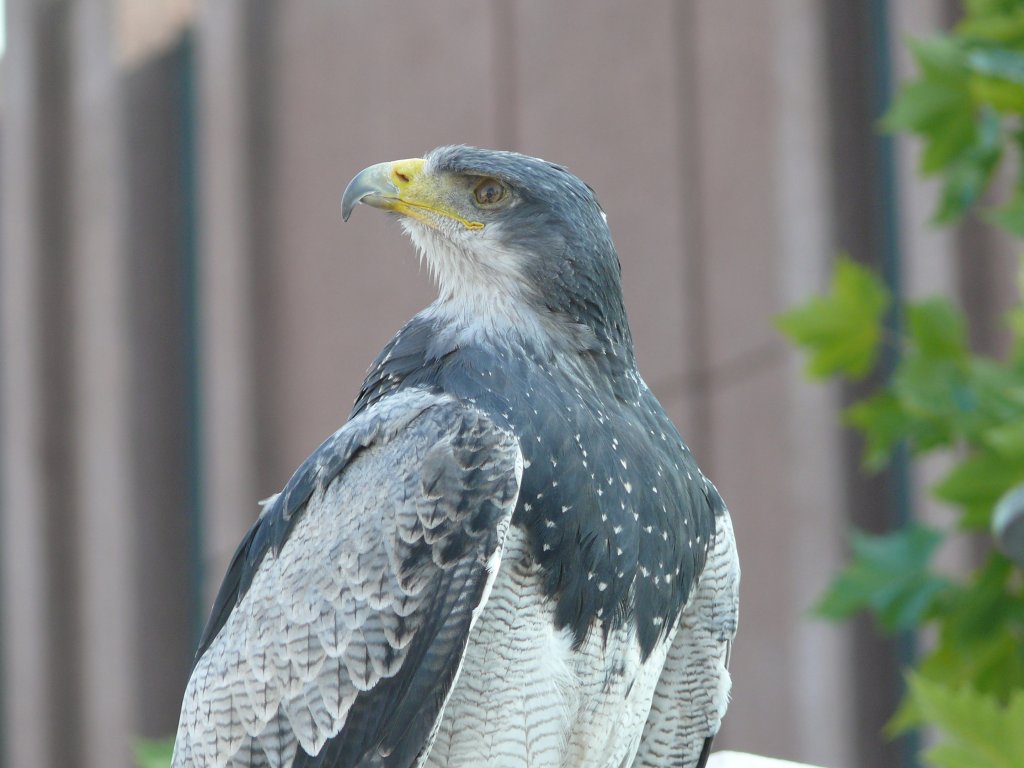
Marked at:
<point>403,187</point>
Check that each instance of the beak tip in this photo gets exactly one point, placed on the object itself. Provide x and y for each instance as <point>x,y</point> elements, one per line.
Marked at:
<point>350,200</point>
<point>373,183</point>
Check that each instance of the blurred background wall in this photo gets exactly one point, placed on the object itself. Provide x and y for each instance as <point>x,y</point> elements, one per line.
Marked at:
<point>183,316</point>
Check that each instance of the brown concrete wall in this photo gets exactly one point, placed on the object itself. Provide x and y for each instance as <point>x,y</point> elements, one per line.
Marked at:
<point>706,128</point>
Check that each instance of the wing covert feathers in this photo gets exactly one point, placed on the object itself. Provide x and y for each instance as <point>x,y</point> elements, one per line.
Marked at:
<point>346,612</point>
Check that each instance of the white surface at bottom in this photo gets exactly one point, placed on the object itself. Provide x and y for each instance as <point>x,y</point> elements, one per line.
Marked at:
<point>743,760</point>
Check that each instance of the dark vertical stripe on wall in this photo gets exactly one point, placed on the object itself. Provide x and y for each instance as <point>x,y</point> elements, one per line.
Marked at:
<point>866,225</point>
<point>259,25</point>
<point>163,424</point>
<point>891,258</point>
<point>187,109</point>
<point>890,253</point>
<point>52,47</point>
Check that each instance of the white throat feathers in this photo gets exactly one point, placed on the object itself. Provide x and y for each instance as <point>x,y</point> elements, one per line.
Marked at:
<point>483,293</point>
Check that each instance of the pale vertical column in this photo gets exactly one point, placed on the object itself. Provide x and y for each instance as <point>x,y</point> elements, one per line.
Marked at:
<point>225,288</point>
<point>27,699</point>
<point>819,528</point>
<point>102,386</point>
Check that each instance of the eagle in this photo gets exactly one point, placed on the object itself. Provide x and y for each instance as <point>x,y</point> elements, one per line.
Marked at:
<point>506,556</point>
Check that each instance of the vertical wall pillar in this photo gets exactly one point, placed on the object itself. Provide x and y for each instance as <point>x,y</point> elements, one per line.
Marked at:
<point>226,289</point>
<point>821,651</point>
<point>33,403</point>
<point>103,384</point>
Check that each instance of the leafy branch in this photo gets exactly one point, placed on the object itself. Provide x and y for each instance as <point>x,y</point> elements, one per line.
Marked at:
<point>965,106</point>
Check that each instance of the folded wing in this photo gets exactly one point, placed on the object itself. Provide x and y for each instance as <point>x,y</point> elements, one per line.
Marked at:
<point>344,617</point>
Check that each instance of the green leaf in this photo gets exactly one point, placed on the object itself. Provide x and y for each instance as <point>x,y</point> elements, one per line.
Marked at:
<point>977,482</point>
<point>999,390</point>
<point>841,331</point>
<point>988,658</point>
<point>998,94</point>
<point>969,175</point>
<point>978,644</point>
<point>941,59</point>
<point>1015,322</point>
<point>1010,216</point>
<point>888,575</point>
<point>956,756</point>
<point>935,395</point>
<point>949,139</point>
<point>990,603</point>
<point>932,382</point>
<point>1001,63</point>
<point>981,733</point>
<point>883,422</point>
<point>937,328</point>
<point>923,106</point>
<point>938,105</point>
<point>1000,26</point>
<point>962,189</point>
<point>929,386</point>
<point>1007,440</point>
<point>153,754</point>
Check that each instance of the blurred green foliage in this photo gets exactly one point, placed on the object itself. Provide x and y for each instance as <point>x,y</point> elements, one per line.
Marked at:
<point>153,754</point>
<point>980,733</point>
<point>965,105</point>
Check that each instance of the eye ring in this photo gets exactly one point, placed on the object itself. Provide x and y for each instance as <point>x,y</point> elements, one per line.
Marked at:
<point>489,192</point>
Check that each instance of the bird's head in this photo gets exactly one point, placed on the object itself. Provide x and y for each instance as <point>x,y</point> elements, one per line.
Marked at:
<point>510,239</point>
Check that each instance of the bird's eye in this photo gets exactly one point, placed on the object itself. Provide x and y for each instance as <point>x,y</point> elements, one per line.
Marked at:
<point>489,192</point>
